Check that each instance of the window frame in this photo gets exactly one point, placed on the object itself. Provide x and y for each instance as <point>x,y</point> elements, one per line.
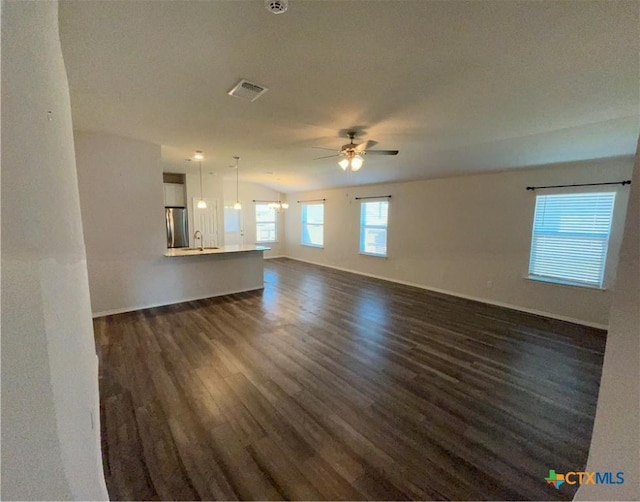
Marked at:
<point>605,256</point>
<point>274,222</point>
<point>362,228</point>
<point>304,224</point>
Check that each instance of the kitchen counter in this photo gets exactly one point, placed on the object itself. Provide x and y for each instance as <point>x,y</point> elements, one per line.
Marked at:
<point>176,252</point>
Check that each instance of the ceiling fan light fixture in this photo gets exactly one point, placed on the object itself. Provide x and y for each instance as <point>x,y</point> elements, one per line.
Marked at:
<point>352,154</point>
<point>356,163</point>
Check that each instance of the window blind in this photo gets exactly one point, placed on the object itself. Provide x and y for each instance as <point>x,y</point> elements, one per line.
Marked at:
<point>313,225</point>
<point>266,223</point>
<point>373,227</point>
<point>571,236</point>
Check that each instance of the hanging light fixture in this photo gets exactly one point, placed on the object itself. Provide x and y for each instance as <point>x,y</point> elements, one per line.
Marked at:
<point>278,205</point>
<point>199,156</point>
<point>237,205</point>
<point>356,162</point>
<point>352,162</point>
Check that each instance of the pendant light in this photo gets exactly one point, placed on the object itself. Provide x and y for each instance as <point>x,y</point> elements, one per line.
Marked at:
<point>198,156</point>
<point>237,206</point>
<point>278,205</point>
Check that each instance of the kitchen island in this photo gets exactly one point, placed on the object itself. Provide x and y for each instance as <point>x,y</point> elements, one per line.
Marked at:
<point>172,253</point>
<point>216,271</point>
<point>180,275</point>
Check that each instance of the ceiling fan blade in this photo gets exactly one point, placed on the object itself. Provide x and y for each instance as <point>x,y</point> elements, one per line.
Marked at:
<point>364,146</point>
<point>322,148</point>
<point>327,156</point>
<point>383,152</point>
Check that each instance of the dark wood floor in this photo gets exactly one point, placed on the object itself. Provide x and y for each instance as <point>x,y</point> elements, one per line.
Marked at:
<point>328,385</point>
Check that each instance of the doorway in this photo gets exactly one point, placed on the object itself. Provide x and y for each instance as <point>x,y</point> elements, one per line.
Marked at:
<point>233,229</point>
<point>206,221</point>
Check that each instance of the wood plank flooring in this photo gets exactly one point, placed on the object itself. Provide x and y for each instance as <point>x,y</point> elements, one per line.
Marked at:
<point>333,386</point>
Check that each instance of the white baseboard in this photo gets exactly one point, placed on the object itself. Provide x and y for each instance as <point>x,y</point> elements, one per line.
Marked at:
<point>272,257</point>
<point>142,307</point>
<point>466,297</point>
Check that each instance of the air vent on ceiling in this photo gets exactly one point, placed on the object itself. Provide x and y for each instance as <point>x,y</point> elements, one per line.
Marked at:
<point>247,90</point>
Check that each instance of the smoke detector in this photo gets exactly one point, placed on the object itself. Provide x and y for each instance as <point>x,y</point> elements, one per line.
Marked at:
<point>276,6</point>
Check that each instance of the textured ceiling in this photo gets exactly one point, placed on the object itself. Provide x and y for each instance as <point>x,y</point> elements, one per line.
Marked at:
<point>457,87</point>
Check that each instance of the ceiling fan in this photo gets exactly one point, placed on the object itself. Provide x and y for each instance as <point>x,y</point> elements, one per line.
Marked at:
<point>353,154</point>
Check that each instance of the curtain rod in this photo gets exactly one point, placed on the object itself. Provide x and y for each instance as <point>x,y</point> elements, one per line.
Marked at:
<point>255,200</point>
<point>623,182</point>
<point>312,200</point>
<point>375,197</point>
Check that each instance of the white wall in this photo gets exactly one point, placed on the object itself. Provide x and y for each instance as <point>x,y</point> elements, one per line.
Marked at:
<point>121,197</point>
<point>248,192</point>
<point>615,443</point>
<point>469,236</point>
<point>50,441</point>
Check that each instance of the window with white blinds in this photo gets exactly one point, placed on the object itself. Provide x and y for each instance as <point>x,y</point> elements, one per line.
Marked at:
<point>266,223</point>
<point>313,225</point>
<point>571,237</point>
<point>373,227</point>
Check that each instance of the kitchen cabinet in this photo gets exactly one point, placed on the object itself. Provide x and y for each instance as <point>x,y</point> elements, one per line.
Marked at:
<point>174,194</point>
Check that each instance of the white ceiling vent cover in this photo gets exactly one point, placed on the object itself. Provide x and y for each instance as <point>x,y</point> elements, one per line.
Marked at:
<point>247,90</point>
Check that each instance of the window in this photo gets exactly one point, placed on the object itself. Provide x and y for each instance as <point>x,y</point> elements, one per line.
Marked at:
<point>571,237</point>
<point>373,227</point>
<point>313,225</point>
<point>266,223</point>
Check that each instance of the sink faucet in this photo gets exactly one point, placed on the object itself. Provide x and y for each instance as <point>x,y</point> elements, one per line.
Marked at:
<point>195,237</point>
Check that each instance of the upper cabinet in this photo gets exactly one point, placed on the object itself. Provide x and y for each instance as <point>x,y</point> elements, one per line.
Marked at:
<point>174,194</point>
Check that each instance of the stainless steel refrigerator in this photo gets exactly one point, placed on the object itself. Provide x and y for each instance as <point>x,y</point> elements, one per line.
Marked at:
<point>177,227</point>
